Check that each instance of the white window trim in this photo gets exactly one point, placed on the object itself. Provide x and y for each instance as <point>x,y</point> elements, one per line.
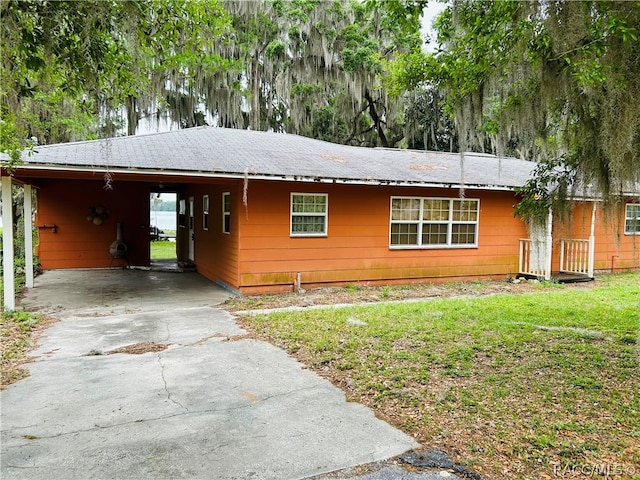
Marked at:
<point>309,214</point>
<point>627,217</point>
<point>192,214</point>
<point>226,213</point>
<point>206,205</point>
<point>182,211</point>
<point>421,222</point>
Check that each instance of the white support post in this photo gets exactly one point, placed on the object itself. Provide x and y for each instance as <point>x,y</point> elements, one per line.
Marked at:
<point>28,237</point>
<point>8,270</point>
<point>592,240</point>
<point>549,249</point>
<point>521,258</point>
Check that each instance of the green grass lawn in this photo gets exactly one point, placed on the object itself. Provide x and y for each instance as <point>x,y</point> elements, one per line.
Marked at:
<point>511,386</point>
<point>163,249</point>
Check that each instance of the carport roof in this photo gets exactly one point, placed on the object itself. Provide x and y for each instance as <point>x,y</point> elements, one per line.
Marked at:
<point>222,152</point>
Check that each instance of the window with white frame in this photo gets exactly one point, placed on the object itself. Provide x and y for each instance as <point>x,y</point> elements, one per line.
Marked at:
<point>632,219</point>
<point>309,214</point>
<point>182,213</point>
<point>192,222</point>
<point>205,212</point>
<point>226,212</point>
<point>433,222</point>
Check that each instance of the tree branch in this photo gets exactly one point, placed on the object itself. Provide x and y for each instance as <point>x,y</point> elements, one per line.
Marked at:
<point>376,119</point>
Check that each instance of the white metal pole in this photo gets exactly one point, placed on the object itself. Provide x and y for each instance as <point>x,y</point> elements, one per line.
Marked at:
<point>28,236</point>
<point>8,271</point>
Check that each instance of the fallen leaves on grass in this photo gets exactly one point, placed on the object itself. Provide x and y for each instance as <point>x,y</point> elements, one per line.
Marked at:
<point>19,331</point>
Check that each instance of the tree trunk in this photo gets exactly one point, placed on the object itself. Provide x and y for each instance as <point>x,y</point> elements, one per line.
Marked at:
<point>376,119</point>
<point>131,105</point>
<point>255,94</point>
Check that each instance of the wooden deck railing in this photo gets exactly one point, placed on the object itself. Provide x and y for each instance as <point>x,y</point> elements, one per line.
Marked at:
<point>526,266</point>
<point>576,256</point>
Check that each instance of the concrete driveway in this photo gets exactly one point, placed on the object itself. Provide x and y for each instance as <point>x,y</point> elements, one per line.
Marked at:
<point>213,404</point>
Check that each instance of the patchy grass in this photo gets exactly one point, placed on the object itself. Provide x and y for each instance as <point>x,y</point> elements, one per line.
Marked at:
<point>163,249</point>
<point>511,386</point>
<point>364,293</point>
<point>16,339</point>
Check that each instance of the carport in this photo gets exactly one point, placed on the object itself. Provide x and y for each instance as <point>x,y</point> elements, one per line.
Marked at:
<point>74,235</point>
<point>61,205</point>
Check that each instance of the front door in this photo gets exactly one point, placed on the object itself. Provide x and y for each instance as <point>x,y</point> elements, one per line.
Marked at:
<point>192,236</point>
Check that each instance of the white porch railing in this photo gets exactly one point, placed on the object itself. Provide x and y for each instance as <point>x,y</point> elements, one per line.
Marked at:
<point>533,259</point>
<point>576,256</point>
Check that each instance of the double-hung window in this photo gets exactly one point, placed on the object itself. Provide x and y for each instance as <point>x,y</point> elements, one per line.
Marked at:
<point>205,212</point>
<point>309,214</point>
<point>632,219</point>
<point>226,212</point>
<point>418,222</point>
<point>182,213</point>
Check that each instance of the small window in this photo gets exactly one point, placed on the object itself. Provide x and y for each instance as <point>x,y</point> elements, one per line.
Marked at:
<point>192,222</point>
<point>632,219</point>
<point>226,212</point>
<point>309,214</point>
<point>433,222</point>
<point>205,212</point>
<point>182,213</point>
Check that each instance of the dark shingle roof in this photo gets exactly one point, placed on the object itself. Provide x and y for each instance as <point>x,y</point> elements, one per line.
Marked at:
<point>223,152</point>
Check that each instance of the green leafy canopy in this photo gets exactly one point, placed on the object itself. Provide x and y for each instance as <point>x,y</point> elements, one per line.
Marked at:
<point>64,62</point>
<point>554,82</point>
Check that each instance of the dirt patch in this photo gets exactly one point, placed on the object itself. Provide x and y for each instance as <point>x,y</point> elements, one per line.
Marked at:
<point>140,348</point>
<point>362,293</point>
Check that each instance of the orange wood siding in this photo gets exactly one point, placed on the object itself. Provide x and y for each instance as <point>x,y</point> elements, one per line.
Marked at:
<point>260,256</point>
<point>79,243</point>
<point>356,248</point>
<point>614,250</point>
<point>216,253</point>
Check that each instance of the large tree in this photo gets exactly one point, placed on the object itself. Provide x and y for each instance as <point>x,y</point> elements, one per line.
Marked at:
<point>73,70</point>
<point>309,67</point>
<point>68,67</point>
<point>552,81</point>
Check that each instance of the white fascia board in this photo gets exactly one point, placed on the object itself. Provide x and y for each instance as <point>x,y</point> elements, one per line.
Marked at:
<point>286,178</point>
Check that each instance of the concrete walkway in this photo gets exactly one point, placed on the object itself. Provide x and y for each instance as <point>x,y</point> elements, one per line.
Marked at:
<point>213,404</point>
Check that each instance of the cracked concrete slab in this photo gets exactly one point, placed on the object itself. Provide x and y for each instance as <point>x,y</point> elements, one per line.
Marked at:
<point>101,334</point>
<point>98,292</point>
<point>202,408</point>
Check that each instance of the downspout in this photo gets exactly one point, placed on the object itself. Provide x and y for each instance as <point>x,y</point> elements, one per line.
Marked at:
<point>8,271</point>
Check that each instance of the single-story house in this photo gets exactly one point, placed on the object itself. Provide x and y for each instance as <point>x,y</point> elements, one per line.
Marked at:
<point>266,212</point>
